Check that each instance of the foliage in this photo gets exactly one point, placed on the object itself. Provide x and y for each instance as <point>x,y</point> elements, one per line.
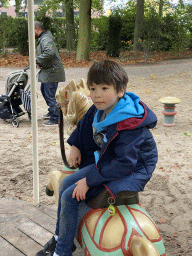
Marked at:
<point>151,32</point>
<point>99,33</point>
<point>114,35</point>
<point>168,36</point>
<point>171,32</point>
<point>18,5</point>
<point>166,33</point>
<point>57,26</point>
<point>128,15</point>
<point>183,14</point>
<point>50,7</point>
<point>21,25</point>
<point>5,31</point>
<point>58,29</point>
<point>4,3</point>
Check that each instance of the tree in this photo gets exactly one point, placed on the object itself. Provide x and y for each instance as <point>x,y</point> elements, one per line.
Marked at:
<point>161,2</point>
<point>70,24</point>
<point>4,3</point>
<point>138,24</point>
<point>83,45</point>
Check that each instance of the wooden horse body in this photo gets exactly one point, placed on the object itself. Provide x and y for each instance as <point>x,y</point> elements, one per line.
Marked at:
<point>131,232</point>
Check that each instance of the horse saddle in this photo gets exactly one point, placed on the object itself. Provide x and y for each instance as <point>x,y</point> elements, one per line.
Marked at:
<point>102,200</point>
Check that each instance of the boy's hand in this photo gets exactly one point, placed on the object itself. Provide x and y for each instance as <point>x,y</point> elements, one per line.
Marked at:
<point>74,157</point>
<point>81,189</point>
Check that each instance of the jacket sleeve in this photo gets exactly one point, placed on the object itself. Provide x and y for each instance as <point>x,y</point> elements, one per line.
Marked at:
<point>85,125</point>
<point>47,52</point>
<point>120,161</point>
<point>74,138</point>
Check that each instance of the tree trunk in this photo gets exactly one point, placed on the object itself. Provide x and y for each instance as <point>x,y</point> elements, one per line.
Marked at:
<point>83,45</point>
<point>70,25</point>
<point>161,2</point>
<point>138,24</point>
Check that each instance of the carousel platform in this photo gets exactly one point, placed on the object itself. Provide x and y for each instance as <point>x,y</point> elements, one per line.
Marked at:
<point>24,228</point>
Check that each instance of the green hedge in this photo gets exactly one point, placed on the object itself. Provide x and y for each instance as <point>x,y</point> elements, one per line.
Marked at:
<point>6,28</point>
<point>99,33</point>
<point>114,36</point>
<point>15,33</point>
<point>21,26</point>
<point>172,32</point>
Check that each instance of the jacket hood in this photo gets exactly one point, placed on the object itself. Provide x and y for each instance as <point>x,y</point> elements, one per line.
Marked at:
<point>128,107</point>
<point>149,120</point>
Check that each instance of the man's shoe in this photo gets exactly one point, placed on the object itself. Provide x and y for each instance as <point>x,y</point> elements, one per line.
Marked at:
<point>50,123</point>
<point>47,116</point>
<point>48,249</point>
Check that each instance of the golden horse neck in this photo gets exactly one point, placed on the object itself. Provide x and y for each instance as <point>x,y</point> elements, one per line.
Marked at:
<point>78,106</point>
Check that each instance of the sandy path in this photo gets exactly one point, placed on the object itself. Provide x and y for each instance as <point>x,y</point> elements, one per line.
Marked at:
<point>168,195</point>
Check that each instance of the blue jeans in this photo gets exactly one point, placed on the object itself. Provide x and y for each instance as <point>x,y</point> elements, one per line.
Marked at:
<point>70,211</point>
<point>48,91</point>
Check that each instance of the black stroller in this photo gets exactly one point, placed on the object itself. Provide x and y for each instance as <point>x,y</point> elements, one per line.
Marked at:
<point>16,95</point>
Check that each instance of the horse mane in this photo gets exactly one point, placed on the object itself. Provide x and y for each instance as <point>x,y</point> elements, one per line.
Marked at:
<point>78,106</point>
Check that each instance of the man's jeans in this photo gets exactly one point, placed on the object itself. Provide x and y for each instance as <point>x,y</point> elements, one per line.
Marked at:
<point>48,91</point>
<point>70,211</point>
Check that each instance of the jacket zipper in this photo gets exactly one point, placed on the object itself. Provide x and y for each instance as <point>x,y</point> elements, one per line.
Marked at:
<point>107,147</point>
<point>112,195</point>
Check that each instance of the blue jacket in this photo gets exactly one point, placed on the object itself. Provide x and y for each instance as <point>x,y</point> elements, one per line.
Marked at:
<point>127,158</point>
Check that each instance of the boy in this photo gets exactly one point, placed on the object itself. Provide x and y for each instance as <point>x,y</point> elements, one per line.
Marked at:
<point>112,145</point>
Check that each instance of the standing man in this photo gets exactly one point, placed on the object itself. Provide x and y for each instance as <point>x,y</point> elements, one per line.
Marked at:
<point>52,71</point>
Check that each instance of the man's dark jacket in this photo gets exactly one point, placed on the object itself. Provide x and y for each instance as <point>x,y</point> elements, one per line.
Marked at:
<point>48,58</point>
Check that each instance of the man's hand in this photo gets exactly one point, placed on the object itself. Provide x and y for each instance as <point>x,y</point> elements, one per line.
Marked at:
<point>81,189</point>
<point>38,66</point>
<point>74,157</point>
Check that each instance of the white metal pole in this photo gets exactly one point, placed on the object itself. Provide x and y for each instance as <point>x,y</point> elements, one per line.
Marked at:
<point>32,61</point>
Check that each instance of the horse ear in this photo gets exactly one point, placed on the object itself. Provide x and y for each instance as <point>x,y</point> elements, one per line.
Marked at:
<point>82,83</point>
<point>73,86</point>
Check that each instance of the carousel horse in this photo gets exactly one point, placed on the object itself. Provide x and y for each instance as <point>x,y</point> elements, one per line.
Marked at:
<point>74,100</point>
<point>112,226</point>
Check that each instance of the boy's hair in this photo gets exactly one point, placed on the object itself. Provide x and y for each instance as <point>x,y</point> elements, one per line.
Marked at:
<point>108,72</point>
<point>39,25</point>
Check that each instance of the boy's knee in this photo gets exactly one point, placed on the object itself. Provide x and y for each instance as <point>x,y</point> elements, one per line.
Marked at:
<point>64,184</point>
<point>66,196</point>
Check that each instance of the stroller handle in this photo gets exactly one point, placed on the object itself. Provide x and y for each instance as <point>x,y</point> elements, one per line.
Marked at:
<point>25,69</point>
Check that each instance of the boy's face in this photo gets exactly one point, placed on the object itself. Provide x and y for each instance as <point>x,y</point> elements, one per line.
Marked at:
<point>104,96</point>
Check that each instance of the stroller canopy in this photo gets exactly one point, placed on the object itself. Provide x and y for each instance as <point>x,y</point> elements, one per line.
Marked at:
<point>12,78</point>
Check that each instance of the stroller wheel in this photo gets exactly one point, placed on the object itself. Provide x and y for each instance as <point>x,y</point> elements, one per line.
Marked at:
<point>15,123</point>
